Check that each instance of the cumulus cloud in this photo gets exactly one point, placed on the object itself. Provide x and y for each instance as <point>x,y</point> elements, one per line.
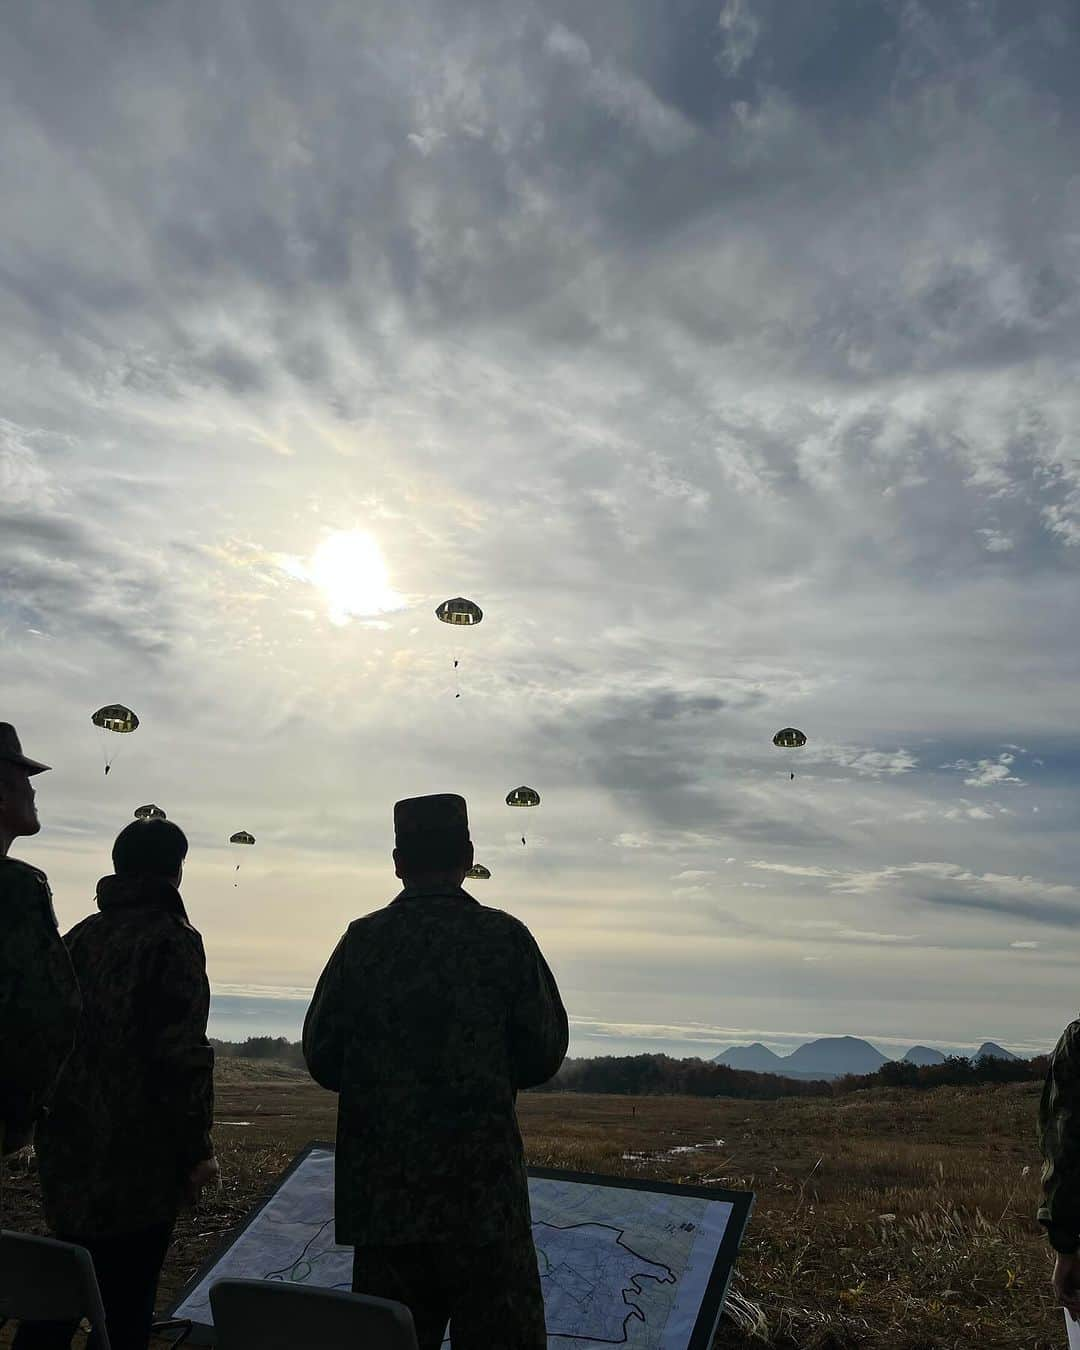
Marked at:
<point>739,29</point>
<point>988,772</point>
<point>621,94</point>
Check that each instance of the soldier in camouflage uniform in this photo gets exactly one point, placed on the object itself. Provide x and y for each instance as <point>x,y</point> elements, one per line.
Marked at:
<point>1059,1139</point>
<point>39,996</point>
<point>430,1015</point>
<point>128,1138</point>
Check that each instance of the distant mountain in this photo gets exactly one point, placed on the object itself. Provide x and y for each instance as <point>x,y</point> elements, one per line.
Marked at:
<point>988,1050</point>
<point>757,1058</point>
<point>836,1055</point>
<point>833,1056</point>
<point>923,1054</point>
<point>827,1058</point>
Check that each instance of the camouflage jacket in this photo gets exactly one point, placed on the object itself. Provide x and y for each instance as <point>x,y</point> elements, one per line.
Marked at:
<point>133,1108</point>
<point>39,1000</point>
<point>429,1016</point>
<point>1059,1139</point>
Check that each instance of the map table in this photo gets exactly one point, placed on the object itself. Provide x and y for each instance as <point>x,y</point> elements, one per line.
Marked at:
<point>623,1261</point>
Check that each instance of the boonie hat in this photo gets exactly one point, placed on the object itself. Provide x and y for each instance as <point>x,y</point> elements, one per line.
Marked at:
<point>11,751</point>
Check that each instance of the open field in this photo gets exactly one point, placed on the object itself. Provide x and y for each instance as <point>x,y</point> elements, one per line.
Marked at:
<point>958,1261</point>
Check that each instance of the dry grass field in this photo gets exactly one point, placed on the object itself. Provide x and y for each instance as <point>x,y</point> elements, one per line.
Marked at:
<point>889,1218</point>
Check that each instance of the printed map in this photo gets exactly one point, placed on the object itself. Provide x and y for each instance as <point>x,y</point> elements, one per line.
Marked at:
<point>618,1265</point>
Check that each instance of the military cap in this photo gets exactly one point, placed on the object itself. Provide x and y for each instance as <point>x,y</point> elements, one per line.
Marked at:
<point>442,812</point>
<point>11,751</point>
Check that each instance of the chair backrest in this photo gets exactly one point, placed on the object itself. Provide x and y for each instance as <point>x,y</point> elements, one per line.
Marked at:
<point>42,1280</point>
<point>267,1315</point>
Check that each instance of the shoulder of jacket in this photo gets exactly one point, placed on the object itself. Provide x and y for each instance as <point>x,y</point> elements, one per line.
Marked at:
<point>1069,1042</point>
<point>14,869</point>
<point>500,916</point>
<point>176,923</point>
<point>496,921</point>
<point>90,922</point>
<point>504,927</point>
<point>166,927</point>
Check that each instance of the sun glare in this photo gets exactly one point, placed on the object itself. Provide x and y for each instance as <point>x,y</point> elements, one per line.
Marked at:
<point>349,570</point>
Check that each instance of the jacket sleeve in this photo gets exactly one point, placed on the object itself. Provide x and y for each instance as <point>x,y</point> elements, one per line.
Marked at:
<point>176,1010</point>
<point>324,1025</point>
<point>538,1030</point>
<point>1059,1139</point>
<point>40,1001</point>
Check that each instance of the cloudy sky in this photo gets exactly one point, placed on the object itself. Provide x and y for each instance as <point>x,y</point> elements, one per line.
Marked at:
<point>724,352</point>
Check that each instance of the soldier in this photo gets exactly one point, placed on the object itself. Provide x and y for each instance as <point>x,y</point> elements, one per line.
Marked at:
<point>1059,1139</point>
<point>39,996</point>
<point>430,1015</point>
<point>128,1137</point>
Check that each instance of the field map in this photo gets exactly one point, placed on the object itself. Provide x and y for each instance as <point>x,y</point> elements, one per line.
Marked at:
<point>622,1262</point>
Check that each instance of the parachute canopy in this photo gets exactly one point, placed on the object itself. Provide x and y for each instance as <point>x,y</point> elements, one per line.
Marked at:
<point>149,812</point>
<point>115,717</point>
<point>478,871</point>
<point>459,611</point>
<point>241,837</point>
<point>789,739</point>
<point>523,796</point>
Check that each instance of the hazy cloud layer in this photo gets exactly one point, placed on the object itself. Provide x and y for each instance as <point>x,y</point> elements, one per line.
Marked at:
<point>727,358</point>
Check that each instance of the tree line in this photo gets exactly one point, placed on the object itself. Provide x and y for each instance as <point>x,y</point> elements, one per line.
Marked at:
<point>276,1048</point>
<point>660,1075</point>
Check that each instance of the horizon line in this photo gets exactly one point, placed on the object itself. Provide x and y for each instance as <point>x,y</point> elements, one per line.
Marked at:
<point>692,1033</point>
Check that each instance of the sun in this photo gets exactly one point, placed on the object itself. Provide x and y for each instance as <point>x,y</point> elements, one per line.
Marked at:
<point>349,569</point>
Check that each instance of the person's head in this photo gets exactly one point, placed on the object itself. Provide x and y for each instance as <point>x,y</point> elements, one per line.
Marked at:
<point>150,848</point>
<point>433,844</point>
<point>18,814</point>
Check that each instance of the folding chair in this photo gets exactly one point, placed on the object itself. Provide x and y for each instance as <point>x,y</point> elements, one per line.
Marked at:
<point>265,1315</point>
<point>42,1280</point>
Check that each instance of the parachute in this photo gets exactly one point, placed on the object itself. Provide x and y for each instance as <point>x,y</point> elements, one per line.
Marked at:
<point>790,738</point>
<point>150,812</point>
<point>240,837</point>
<point>523,796</point>
<point>462,613</point>
<point>459,611</point>
<point>479,871</point>
<point>114,717</point>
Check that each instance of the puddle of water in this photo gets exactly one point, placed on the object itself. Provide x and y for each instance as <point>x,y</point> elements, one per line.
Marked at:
<point>692,1148</point>
<point>667,1153</point>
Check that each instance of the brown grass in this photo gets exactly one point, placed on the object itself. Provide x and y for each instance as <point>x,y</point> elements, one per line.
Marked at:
<point>891,1218</point>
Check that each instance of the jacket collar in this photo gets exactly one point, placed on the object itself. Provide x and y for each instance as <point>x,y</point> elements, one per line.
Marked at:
<point>418,892</point>
<point>115,892</point>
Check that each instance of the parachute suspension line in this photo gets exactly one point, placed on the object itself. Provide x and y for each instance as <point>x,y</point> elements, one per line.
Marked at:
<point>789,738</point>
<point>240,837</point>
<point>524,797</point>
<point>461,613</point>
<point>114,717</point>
<point>107,756</point>
<point>110,755</point>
